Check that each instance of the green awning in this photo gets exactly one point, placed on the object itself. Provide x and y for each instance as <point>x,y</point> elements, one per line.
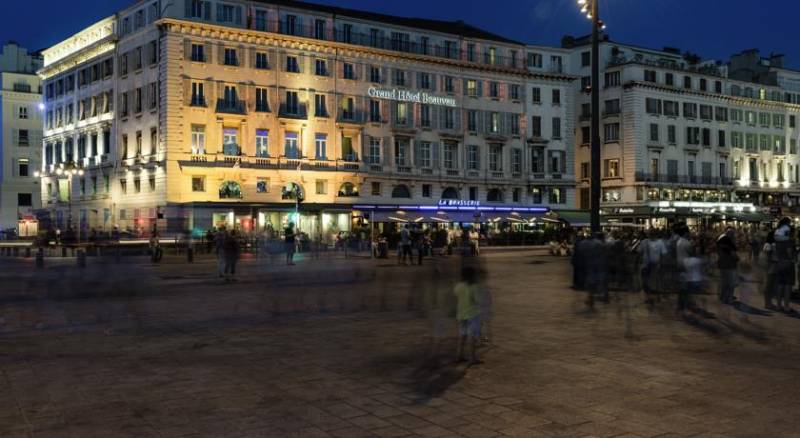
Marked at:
<point>576,218</point>
<point>749,216</point>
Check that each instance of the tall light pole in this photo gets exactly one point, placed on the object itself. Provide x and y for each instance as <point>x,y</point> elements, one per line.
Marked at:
<point>591,9</point>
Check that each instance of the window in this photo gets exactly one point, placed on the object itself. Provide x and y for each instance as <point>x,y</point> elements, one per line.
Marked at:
<point>320,106</point>
<point>718,87</point>
<point>261,61</point>
<point>586,135</point>
<point>230,57</point>
<point>320,67</point>
<point>586,59</point>
<point>687,82</point>
<point>556,127</point>
<point>706,112</point>
<point>611,132</point>
<point>611,107</point>
<point>689,110</point>
<point>23,167</point>
<point>374,111</point>
<point>472,87</point>
<point>375,188</point>
<point>198,139</point>
<point>152,98</point>
<point>536,126</point>
<point>516,161</point>
<point>653,106</point>
<point>261,20</point>
<point>319,29</point>
<point>424,154</point>
<point>514,122</point>
<point>612,79</point>
<point>494,122</point>
<point>536,95</point>
<point>262,143</point>
<point>292,65</point>
<point>535,60</point>
<point>399,77</point>
<point>473,193</point>
<point>347,33</point>
<point>721,138</point>
<point>322,187</point>
<point>706,137</point>
<point>703,84</point>
<point>262,185</point>
<point>137,101</point>
<point>671,108</point>
<point>424,81</point>
<point>374,74</point>
<point>374,151</point>
<point>496,158</point>
<point>23,112</point>
<point>199,9</point>
<point>23,138</point>
<point>138,143</point>
<point>448,84</point>
<point>24,200</point>
<point>262,102</point>
<point>556,96</point>
<point>425,116</point>
<point>472,120</point>
<point>291,145</point>
<point>669,79</point>
<point>198,184</point>
<point>556,195</point>
<point>514,91</point>
<point>321,146</point>
<point>649,76</point>
<point>654,132</point>
<point>426,190</point>
<point>494,88</point>
<point>401,113</point>
<point>611,168</point>
<point>473,157</point>
<point>672,134</point>
<point>198,94</point>
<point>348,71</point>
<point>292,105</point>
<point>229,13</point>
<point>137,185</point>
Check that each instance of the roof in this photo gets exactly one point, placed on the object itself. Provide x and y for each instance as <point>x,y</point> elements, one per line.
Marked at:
<point>459,27</point>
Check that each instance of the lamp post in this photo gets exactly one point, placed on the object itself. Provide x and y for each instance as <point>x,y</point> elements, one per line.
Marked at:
<point>591,9</point>
<point>67,171</point>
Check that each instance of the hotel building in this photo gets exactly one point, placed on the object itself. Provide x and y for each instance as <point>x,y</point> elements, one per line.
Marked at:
<point>190,114</point>
<point>681,137</point>
<point>20,139</point>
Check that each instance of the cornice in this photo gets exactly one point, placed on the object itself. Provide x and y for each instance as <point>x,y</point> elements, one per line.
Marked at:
<point>249,36</point>
<point>720,97</point>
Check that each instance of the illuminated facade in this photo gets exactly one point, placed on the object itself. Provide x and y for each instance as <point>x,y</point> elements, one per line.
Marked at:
<point>676,132</point>
<point>192,114</point>
<point>20,137</point>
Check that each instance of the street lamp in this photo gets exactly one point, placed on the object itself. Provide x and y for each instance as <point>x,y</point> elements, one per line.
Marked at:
<point>590,9</point>
<point>66,171</point>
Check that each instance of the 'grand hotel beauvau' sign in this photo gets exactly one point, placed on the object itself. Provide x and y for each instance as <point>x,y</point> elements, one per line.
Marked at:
<point>410,96</point>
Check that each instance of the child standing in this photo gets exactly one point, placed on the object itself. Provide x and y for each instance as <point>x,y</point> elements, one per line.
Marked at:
<point>468,313</point>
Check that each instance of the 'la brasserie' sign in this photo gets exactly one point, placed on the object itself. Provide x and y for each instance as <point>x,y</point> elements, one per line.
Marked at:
<point>410,96</point>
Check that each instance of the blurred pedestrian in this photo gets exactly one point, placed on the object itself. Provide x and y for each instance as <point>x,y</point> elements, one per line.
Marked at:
<point>768,278</point>
<point>405,246</point>
<point>596,268</point>
<point>231,251</point>
<point>468,313</point>
<point>727,263</point>
<point>653,250</point>
<point>219,246</point>
<point>289,243</point>
<point>784,267</point>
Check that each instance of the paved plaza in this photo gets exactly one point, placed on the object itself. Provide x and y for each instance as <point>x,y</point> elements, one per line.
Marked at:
<point>336,347</point>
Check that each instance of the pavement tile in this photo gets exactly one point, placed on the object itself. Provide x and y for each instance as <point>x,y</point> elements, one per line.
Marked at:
<point>369,422</point>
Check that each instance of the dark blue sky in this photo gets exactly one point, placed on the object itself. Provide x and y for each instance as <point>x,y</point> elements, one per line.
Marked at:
<point>712,28</point>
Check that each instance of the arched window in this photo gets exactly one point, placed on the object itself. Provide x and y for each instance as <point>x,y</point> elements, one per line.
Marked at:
<point>494,195</point>
<point>401,191</point>
<point>292,191</point>
<point>348,190</point>
<point>450,193</point>
<point>230,190</point>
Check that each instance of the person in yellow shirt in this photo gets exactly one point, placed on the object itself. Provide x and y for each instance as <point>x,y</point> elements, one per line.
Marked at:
<point>468,312</point>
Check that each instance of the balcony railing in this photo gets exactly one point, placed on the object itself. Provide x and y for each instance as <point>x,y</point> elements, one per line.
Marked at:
<point>351,116</point>
<point>231,106</point>
<point>298,111</point>
<point>684,179</point>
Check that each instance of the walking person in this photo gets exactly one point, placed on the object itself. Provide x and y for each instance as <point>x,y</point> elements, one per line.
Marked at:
<point>424,246</point>
<point>727,263</point>
<point>688,265</point>
<point>289,243</point>
<point>231,251</point>
<point>768,281</point>
<point>405,246</point>
<point>596,268</point>
<point>468,312</point>
<point>652,250</point>
<point>784,267</point>
<point>219,246</point>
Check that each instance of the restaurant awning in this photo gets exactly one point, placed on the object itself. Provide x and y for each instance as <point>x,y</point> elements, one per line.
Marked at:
<point>575,218</point>
<point>748,216</point>
<point>403,216</point>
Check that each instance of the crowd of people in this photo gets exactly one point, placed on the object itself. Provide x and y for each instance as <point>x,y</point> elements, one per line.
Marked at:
<point>680,262</point>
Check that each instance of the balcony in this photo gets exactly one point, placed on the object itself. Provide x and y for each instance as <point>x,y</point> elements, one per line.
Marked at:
<point>298,111</point>
<point>231,106</point>
<point>665,178</point>
<point>351,116</point>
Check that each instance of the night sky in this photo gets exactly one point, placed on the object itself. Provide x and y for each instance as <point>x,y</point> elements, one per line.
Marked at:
<point>712,28</point>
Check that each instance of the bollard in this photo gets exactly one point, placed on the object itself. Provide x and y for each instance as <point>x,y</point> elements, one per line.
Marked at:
<point>190,254</point>
<point>81,257</point>
<point>28,252</point>
<point>40,258</point>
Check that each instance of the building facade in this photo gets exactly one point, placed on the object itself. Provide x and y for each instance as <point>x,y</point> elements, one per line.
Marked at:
<point>194,114</point>
<point>20,140</point>
<point>682,137</point>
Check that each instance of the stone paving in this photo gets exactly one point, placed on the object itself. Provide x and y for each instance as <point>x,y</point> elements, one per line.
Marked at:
<point>348,348</point>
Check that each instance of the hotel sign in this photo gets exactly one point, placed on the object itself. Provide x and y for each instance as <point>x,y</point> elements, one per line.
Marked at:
<point>410,96</point>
